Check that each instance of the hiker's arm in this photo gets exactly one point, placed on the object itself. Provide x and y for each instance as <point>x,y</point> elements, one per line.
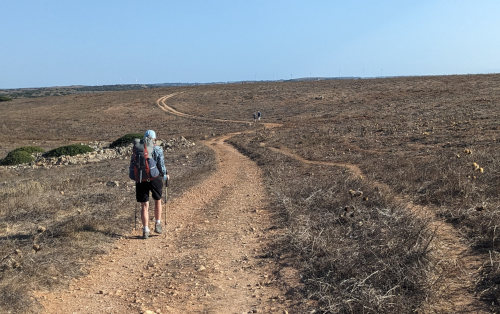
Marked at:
<point>160,161</point>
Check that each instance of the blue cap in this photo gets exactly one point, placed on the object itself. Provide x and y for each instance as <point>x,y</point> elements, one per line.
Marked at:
<point>150,134</point>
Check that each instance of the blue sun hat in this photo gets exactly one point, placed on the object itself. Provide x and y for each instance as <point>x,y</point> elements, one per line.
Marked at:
<point>150,133</point>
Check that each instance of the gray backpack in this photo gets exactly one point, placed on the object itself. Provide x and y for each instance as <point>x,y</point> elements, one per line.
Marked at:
<point>142,165</point>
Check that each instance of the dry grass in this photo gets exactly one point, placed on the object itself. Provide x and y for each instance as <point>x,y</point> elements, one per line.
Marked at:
<point>54,221</point>
<point>357,254</point>
<point>406,133</point>
<point>403,132</point>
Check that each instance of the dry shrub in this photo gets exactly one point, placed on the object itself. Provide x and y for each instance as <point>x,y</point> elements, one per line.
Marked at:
<point>23,188</point>
<point>449,182</point>
<point>489,285</point>
<point>13,294</point>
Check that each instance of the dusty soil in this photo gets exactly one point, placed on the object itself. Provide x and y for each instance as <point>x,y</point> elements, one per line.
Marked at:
<point>208,260</point>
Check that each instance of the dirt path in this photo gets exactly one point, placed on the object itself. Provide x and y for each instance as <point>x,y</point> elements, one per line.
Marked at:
<point>353,168</point>
<point>208,260</point>
<point>161,102</point>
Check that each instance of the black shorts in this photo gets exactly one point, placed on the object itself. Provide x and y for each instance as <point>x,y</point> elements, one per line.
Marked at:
<point>142,189</point>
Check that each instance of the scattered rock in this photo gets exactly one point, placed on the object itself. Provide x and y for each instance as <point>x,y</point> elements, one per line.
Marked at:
<point>201,268</point>
<point>113,184</point>
<point>41,229</point>
<point>101,152</point>
<point>354,193</point>
<point>481,207</point>
<point>36,247</point>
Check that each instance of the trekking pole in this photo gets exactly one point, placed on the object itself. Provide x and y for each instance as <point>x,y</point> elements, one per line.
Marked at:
<point>135,215</point>
<point>166,198</point>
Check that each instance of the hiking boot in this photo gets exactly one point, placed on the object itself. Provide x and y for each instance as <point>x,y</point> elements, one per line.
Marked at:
<point>158,228</point>
<point>145,234</point>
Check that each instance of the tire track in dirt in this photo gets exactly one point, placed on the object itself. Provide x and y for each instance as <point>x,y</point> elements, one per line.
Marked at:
<point>161,102</point>
<point>456,267</point>
<point>353,168</point>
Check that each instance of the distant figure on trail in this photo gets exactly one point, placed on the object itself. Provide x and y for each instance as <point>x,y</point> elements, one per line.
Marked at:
<point>147,169</point>
<point>254,117</point>
<point>259,115</point>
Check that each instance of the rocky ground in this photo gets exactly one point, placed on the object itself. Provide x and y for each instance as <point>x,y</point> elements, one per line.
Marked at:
<point>101,152</point>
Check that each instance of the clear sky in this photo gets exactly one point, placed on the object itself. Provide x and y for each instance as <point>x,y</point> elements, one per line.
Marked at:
<point>90,42</point>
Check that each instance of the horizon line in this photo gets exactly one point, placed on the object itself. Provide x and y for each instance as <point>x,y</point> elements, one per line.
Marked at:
<point>305,78</point>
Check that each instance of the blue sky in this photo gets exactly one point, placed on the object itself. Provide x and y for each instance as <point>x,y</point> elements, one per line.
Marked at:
<point>62,42</point>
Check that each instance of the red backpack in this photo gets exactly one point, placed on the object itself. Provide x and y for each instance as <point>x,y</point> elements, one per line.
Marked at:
<point>142,165</point>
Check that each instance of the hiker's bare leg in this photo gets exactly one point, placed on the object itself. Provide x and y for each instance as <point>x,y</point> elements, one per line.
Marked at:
<point>157,209</point>
<point>145,213</point>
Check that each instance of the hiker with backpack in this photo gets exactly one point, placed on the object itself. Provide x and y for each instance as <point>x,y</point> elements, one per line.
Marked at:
<point>147,169</point>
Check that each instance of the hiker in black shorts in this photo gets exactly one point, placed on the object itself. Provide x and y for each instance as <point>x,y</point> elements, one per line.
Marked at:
<point>149,176</point>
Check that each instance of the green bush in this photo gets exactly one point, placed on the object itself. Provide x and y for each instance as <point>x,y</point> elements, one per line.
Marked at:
<point>17,157</point>
<point>21,155</point>
<point>125,140</point>
<point>5,98</point>
<point>70,150</point>
<point>30,149</point>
